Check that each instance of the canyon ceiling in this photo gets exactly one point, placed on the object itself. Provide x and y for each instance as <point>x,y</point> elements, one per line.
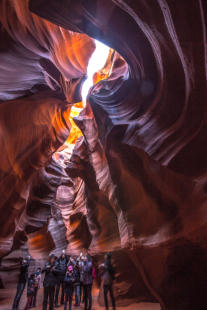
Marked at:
<point>129,173</point>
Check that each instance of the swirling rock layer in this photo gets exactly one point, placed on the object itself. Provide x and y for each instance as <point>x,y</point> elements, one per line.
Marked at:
<point>134,183</point>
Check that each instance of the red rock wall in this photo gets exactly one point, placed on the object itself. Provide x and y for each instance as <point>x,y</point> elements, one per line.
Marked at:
<point>156,113</point>
<point>135,183</point>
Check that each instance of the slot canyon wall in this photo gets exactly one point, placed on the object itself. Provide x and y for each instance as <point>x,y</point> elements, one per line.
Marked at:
<point>134,182</point>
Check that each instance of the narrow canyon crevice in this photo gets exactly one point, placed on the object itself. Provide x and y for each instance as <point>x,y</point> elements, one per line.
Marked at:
<point>124,170</point>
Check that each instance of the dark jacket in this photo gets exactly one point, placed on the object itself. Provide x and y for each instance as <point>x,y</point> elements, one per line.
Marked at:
<point>80,266</point>
<point>107,273</point>
<point>77,275</point>
<point>69,281</point>
<point>50,275</point>
<point>61,266</point>
<point>87,271</point>
<point>30,287</point>
<point>23,276</point>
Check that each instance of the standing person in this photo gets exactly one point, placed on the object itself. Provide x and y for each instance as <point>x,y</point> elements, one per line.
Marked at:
<point>80,265</point>
<point>87,271</point>
<point>77,284</point>
<point>30,291</point>
<point>107,275</point>
<point>72,261</point>
<point>23,276</point>
<point>37,280</point>
<point>61,265</point>
<point>49,282</point>
<point>69,287</point>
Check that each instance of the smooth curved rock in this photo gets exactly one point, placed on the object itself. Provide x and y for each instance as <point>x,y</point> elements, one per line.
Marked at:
<point>134,183</point>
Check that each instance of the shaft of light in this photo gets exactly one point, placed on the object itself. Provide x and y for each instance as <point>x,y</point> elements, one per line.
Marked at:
<point>96,62</point>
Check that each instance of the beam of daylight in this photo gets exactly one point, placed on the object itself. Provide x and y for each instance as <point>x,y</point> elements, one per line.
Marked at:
<point>96,62</point>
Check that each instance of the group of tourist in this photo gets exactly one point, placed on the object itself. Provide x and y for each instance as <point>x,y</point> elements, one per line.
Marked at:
<point>71,275</point>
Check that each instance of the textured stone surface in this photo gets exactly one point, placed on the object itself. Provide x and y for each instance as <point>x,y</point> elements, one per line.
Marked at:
<point>134,183</point>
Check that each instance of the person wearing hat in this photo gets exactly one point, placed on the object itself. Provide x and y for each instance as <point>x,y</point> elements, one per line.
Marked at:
<point>49,282</point>
<point>69,287</point>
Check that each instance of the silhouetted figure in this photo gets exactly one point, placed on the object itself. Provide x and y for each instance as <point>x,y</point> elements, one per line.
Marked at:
<point>87,271</point>
<point>69,287</point>
<point>77,285</point>
<point>30,291</point>
<point>72,261</point>
<point>49,282</point>
<point>61,264</point>
<point>23,276</point>
<point>107,275</point>
<point>37,280</point>
<point>80,265</point>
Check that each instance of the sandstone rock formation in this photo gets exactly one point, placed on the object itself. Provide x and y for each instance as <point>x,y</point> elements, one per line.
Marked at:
<point>133,180</point>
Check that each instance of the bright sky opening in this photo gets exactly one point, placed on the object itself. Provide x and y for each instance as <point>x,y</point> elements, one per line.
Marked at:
<point>96,62</point>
